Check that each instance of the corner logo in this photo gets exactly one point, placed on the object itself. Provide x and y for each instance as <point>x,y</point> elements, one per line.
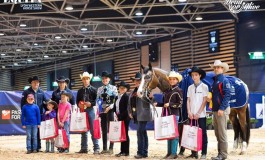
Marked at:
<point>22,1</point>
<point>236,6</point>
<point>5,114</point>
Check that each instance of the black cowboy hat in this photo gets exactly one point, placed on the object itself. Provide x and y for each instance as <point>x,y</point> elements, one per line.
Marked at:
<point>198,70</point>
<point>55,105</point>
<point>63,79</point>
<point>137,76</point>
<point>105,74</point>
<point>34,78</point>
<point>124,84</point>
<point>67,94</point>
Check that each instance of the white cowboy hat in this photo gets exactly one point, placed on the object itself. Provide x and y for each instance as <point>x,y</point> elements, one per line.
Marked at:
<point>175,75</point>
<point>86,74</point>
<point>221,64</point>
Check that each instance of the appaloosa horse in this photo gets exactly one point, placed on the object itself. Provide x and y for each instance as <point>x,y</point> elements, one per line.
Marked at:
<point>239,115</point>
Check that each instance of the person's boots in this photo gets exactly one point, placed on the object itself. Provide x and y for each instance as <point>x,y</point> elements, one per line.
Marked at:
<point>52,147</point>
<point>47,146</point>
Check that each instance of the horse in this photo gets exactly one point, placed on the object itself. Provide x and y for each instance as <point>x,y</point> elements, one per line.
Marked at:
<point>239,116</point>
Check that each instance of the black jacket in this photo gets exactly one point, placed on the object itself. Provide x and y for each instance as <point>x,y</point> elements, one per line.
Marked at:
<point>123,110</point>
<point>56,96</point>
<point>39,97</point>
<point>88,94</point>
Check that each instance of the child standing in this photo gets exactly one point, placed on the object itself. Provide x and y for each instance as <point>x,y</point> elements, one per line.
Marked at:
<point>51,113</point>
<point>64,110</point>
<point>196,106</point>
<point>30,120</point>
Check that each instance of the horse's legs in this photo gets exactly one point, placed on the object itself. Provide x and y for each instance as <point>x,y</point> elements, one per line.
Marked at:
<point>243,126</point>
<point>236,126</point>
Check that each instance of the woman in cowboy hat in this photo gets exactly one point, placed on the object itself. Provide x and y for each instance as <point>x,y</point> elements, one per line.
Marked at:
<point>86,100</point>
<point>106,94</point>
<point>120,108</point>
<point>196,106</point>
<point>221,107</point>
<point>173,100</point>
<point>62,86</point>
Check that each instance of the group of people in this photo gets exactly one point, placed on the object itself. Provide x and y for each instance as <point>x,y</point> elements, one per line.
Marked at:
<point>114,103</point>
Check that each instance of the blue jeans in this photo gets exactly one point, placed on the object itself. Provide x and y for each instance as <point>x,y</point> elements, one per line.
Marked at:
<point>84,144</point>
<point>31,131</point>
<point>172,144</point>
<point>142,139</point>
<point>67,130</point>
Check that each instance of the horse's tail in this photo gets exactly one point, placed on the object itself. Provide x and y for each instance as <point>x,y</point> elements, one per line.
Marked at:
<point>248,125</point>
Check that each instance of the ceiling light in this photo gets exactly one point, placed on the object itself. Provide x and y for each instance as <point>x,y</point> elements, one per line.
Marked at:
<point>2,34</point>
<point>45,56</point>
<point>181,1</point>
<point>85,46</point>
<point>18,50</point>
<point>139,32</point>
<point>15,64</point>
<point>64,51</point>
<point>109,40</point>
<point>3,66</point>
<point>57,37</point>
<point>139,13</point>
<point>69,7</point>
<point>83,29</point>
<point>22,25</point>
<point>2,54</point>
<point>29,60</point>
<point>198,18</point>
<point>35,44</point>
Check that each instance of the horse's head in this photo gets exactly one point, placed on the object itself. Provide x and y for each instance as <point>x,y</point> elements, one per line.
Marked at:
<point>148,83</point>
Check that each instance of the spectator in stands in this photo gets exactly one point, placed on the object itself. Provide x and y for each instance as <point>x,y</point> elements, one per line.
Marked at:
<point>39,100</point>
<point>30,120</point>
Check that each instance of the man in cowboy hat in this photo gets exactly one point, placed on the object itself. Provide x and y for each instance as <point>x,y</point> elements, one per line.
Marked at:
<point>86,99</point>
<point>39,97</point>
<point>106,93</point>
<point>141,110</point>
<point>62,86</point>
<point>196,106</point>
<point>221,107</point>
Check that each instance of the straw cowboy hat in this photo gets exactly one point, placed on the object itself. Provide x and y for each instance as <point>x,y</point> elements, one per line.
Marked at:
<point>86,74</point>
<point>63,79</point>
<point>137,76</point>
<point>219,63</point>
<point>105,74</point>
<point>198,70</point>
<point>124,84</point>
<point>67,94</point>
<point>55,105</point>
<point>174,74</point>
<point>34,78</point>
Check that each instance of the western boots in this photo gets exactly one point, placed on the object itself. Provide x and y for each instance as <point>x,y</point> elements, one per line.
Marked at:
<point>47,146</point>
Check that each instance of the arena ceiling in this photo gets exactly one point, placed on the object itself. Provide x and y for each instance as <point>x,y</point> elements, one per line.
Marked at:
<point>33,37</point>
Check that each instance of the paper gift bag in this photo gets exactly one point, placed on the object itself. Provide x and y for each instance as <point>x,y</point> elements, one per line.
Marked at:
<point>192,138</point>
<point>61,141</point>
<point>79,122</point>
<point>97,132</point>
<point>166,128</point>
<point>48,129</point>
<point>117,131</point>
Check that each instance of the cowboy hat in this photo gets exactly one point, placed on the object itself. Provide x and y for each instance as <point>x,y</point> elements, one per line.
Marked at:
<point>137,76</point>
<point>174,74</point>
<point>124,84</point>
<point>105,74</point>
<point>198,70</point>
<point>86,74</point>
<point>67,94</point>
<point>219,63</point>
<point>63,79</point>
<point>55,105</point>
<point>34,78</point>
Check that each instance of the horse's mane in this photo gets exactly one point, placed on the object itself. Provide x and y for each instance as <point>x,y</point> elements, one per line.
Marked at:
<point>162,78</point>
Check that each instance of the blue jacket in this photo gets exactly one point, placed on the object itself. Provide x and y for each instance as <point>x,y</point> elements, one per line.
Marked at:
<point>30,115</point>
<point>56,95</point>
<point>39,98</point>
<point>220,101</point>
